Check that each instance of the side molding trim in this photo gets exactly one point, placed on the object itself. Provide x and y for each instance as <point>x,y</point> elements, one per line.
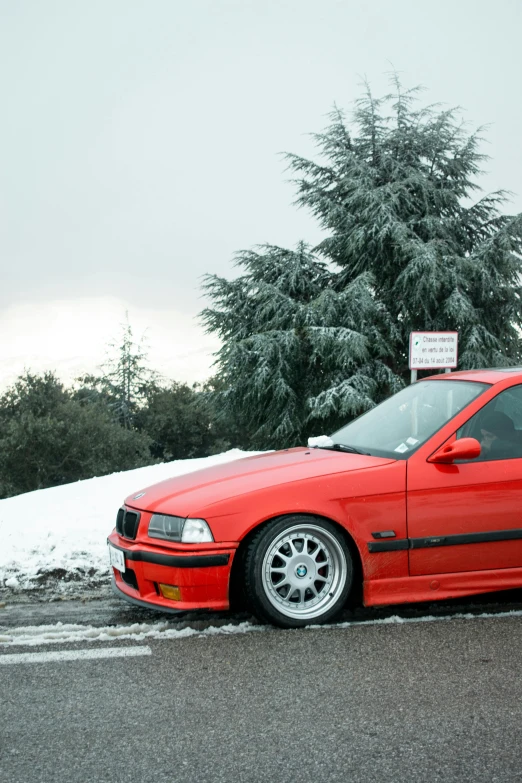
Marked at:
<point>432,542</point>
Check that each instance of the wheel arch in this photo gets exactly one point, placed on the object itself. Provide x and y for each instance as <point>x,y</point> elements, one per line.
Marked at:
<point>237,596</point>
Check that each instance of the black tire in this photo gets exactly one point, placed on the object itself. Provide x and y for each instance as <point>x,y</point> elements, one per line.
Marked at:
<point>298,571</point>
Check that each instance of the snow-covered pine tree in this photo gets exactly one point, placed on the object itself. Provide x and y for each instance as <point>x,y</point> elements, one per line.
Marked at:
<point>314,337</point>
<point>293,344</point>
<point>395,197</point>
<point>126,375</point>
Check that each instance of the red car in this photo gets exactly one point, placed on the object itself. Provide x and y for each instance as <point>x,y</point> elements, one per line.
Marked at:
<point>418,499</point>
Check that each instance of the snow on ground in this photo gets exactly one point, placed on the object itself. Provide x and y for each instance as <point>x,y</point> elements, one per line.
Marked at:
<point>69,633</point>
<point>59,534</point>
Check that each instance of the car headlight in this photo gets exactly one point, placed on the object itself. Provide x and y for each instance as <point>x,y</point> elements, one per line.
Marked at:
<point>188,531</point>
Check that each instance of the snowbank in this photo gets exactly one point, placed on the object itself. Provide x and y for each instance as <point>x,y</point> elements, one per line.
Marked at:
<point>59,534</point>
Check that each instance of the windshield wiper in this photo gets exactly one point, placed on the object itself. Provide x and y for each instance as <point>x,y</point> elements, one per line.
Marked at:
<point>343,447</point>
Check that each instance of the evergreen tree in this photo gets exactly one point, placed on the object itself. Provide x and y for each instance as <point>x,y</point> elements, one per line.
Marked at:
<point>49,438</point>
<point>126,377</point>
<point>179,422</point>
<point>289,336</point>
<point>313,337</point>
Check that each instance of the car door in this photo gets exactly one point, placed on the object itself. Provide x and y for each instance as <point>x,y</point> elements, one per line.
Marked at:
<point>468,516</point>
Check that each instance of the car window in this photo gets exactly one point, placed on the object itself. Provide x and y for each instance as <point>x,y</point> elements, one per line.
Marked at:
<point>498,426</point>
<point>401,424</point>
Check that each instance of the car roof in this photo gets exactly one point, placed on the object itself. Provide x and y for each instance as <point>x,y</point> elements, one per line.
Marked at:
<point>491,375</point>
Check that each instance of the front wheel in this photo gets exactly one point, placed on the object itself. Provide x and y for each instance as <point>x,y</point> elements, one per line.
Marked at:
<point>298,571</point>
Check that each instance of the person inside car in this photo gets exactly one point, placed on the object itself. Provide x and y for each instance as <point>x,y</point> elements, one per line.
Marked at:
<point>497,437</point>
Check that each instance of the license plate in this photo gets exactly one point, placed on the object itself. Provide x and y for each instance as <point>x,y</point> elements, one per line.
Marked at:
<point>116,558</point>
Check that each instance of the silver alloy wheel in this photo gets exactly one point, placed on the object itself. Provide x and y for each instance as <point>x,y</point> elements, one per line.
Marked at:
<point>304,571</point>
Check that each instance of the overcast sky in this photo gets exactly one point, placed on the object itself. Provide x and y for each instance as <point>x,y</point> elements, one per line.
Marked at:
<point>140,147</point>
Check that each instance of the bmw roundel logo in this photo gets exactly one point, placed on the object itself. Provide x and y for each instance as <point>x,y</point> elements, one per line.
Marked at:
<point>137,497</point>
<point>301,571</point>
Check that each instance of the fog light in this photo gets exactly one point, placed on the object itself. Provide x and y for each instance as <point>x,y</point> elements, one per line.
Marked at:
<point>169,591</point>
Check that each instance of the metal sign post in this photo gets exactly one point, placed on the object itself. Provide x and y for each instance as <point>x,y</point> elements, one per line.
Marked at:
<point>433,351</point>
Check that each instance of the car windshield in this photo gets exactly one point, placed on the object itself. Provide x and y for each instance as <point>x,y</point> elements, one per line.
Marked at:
<point>399,425</point>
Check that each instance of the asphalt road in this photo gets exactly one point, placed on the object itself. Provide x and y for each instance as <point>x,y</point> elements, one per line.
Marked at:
<point>432,701</point>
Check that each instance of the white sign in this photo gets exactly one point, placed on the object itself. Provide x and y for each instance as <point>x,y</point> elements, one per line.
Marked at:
<point>433,350</point>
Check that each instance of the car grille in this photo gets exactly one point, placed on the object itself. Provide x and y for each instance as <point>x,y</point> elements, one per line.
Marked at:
<point>127,523</point>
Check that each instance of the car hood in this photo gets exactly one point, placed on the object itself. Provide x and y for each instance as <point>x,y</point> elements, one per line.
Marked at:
<point>189,494</point>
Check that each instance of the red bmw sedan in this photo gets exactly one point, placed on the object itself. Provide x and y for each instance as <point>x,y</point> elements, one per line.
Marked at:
<point>418,499</point>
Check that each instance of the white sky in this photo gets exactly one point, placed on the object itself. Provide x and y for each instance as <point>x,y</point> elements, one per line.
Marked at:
<point>140,141</point>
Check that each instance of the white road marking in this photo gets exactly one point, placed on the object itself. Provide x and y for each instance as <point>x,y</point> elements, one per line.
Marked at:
<point>74,655</point>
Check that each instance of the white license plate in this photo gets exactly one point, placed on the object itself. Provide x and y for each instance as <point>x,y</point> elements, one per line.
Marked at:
<point>116,558</point>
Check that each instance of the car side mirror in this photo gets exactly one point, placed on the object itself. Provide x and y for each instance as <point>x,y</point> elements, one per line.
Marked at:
<point>463,448</point>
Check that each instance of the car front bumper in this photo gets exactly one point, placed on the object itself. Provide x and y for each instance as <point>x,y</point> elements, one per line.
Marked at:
<point>202,575</point>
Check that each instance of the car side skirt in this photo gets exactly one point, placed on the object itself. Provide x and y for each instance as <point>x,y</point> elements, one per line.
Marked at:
<point>438,587</point>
